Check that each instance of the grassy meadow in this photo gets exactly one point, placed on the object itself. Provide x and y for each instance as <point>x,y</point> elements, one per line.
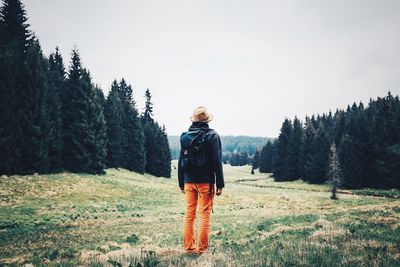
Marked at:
<point>126,219</point>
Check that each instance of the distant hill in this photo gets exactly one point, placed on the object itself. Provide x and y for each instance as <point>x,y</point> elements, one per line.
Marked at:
<point>240,143</point>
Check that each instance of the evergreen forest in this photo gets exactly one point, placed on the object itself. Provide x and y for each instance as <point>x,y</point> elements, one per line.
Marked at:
<point>366,140</point>
<point>55,118</point>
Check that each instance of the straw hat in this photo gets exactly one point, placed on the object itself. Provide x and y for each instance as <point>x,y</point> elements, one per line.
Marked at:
<point>201,114</point>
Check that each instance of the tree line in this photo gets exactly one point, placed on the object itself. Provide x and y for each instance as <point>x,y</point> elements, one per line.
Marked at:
<point>53,119</point>
<point>233,147</point>
<point>236,158</point>
<point>366,140</point>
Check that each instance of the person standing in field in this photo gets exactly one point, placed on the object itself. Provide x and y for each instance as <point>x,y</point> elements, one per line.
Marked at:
<point>199,169</point>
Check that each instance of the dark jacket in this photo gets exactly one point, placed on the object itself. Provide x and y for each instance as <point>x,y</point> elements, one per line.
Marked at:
<point>212,171</point>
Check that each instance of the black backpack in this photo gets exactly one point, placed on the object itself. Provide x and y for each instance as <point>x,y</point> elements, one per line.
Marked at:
<point>193,153</point>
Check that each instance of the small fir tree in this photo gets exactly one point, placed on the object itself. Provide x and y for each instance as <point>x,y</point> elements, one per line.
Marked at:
<point>335,171</point>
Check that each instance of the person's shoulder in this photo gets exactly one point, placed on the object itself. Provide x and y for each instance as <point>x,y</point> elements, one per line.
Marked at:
<point>212,133</point>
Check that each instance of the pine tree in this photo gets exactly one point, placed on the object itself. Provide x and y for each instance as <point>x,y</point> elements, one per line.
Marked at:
<point>302,149</point>
<point>319,158</point>
<point>115,131</point>
<point>15,27</point>
<point>84,128</point>
<point>293,170</point>
<point>78,125</point>
<point>100,131</point>
<point>151,143</point>
<point>226,156</point>
<point>162,163</point>
<point>306,151</point>
<point>326,122</point>
<point>158,154</point>
<point>96,142</point>
<point>150,135</point>
<point>235,159</point>
<point>56,85</point>
<point>262,159</point>
<point>315,150</point>
<point>75,126</point>
<point>148,110</point>
<point>243,158</point>
<point>357,141</point>
<point>266,158</point>
<point>34,108</point>
<point>100,96</point>
<point>166,154</point>
<point>385,143</point>
<point>349,157</point>
<point>282,151</point>
<point>14,40</point>
<point>133,149</point>
<point>339,126</point>
<point>255,163</point>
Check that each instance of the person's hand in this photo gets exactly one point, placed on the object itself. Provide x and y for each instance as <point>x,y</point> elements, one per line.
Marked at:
<point>182,191</point>
<point>219,191</point>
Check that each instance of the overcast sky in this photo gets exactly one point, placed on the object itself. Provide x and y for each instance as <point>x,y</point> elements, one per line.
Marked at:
<point>252,63</point>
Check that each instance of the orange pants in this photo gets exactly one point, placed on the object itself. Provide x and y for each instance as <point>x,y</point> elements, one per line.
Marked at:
<point>197,194</point>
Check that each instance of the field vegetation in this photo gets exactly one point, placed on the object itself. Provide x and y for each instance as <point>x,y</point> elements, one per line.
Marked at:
<point>128,219</point>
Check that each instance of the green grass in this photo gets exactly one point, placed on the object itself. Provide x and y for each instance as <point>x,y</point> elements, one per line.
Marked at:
<point>124,218</point>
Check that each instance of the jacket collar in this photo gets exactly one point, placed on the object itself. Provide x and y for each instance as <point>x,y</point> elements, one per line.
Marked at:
<point>199,125</point>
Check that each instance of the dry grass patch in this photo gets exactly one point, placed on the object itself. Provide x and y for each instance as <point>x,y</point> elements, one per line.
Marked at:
<point>329,235</point>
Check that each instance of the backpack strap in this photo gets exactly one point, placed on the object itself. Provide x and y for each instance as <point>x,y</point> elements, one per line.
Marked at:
<point>201,134</point>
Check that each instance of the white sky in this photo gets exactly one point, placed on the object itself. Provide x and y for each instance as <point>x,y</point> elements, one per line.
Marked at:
<point>252,63</point>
